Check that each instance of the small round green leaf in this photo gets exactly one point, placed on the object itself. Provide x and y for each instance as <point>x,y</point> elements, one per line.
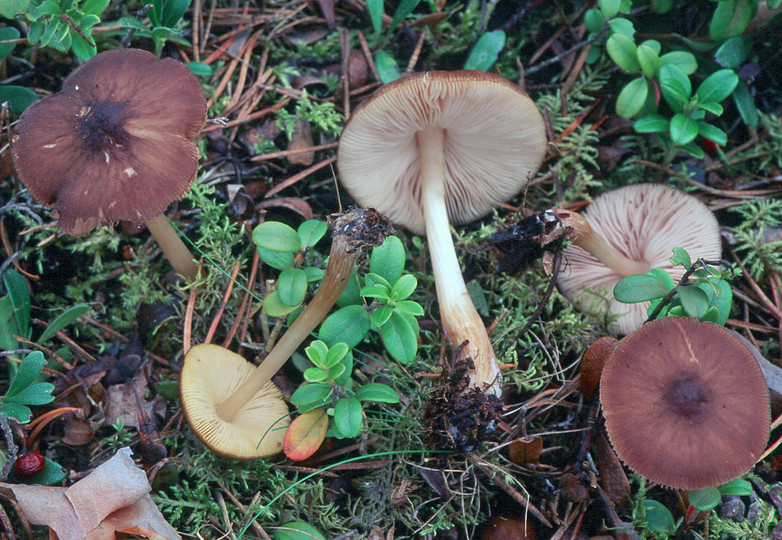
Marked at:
<point>276,236</point>
<point>313,393</point>
<point>632,98</point>
<point>594,21</point>
<point>348,324</point>
<point>694,301</point>
<point>486,50</point>
<point>381,315</point>
<point>388,259</point>
<point>292,286</point>
<point>639,288</point>
<point>297,530</point>
<point>400,337</point>
<point>311,231</point>
<point>7,33</point>
<point>737,486</point>
<point>705,499</point>
<point>20,97</point>
<point>404,287</point>
<point>717,86</point>
<point>387,68</point>
<point>684,60</point>
<point>274,306</point>
<point>731,18</point>
<point>348,417</point>
<point>315,375</point>
<point>733,52</point>
<point>622,51</point>
<point>380,393</point>
<point>658,517</point>
<point>712,133</point>
<point>654,123</point>
<point>680,256</point>
<point>648,60</point>
<point>622,26</point>
<point>280,261</point>
<point>746,105</point>
<point>609,8</point>
<point>683,129</point>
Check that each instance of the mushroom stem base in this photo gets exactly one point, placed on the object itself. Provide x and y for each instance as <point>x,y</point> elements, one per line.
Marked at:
<point>172,245</point>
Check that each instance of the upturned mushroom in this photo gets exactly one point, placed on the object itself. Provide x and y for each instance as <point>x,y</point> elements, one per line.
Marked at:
<point>627,231</point>
<point>441,148</point>
<point>117,143</point>
<point>685,403</point>
<point>226,407</point>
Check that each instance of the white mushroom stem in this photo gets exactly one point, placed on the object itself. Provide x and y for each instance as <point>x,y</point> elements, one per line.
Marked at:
<point>586,238</point>
<point>461,322</point>
<point>172,246</point>
<point>350,235</point>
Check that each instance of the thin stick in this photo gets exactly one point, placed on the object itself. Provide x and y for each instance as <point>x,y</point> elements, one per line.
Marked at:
<point>188,329</point>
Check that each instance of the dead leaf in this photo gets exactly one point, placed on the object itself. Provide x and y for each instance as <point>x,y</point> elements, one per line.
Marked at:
<point>300,141</point>
<point>121,403</point>
<point>525,450</point>
<point>112,498</point>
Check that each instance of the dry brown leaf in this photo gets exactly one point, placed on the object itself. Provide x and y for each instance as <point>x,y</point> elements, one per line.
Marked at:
<point>112,498</point>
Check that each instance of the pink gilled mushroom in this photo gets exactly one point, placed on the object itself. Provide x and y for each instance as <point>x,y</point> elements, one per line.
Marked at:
<point>627,231</point>
<point>117,143</point>
<point>441,148</point>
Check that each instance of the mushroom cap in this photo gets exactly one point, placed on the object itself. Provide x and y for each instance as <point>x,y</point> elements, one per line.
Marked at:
<point>644,222</point>
<point>209,375</point>
<point>116,143</point>
<point>685,403</point>
<point>494,141</point>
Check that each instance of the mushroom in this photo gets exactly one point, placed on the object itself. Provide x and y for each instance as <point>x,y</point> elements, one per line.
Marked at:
<point>685,403</point>
<point>441,148</point>
<point>219,413</point>
<point>592,363</point>
<point>627,231</point>
<point>115,144</point>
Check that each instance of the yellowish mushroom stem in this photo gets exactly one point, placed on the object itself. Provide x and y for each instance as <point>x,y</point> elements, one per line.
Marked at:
<point>172,246</point>
<point>586,238</point>
<point>461,321</point>
<point>353,230</point>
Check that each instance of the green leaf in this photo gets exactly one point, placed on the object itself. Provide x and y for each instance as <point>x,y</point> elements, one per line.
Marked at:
<point>313,274</point>
<point>50,30</point>
<point>693,149</point>
<point>632,98</point>
<point>662,6</point>
<point>654,45</point>
<point>7,33</point>
<point>486,50</point>
<point>317,352</point>
<point>684,60</point>
<point>200,69</point>
<point>410,307</point>
<point>95,7</point>
<point>351,295</point>
<point>683,129</point>
<point>380,393</point>
<point>731,18</point>
<point>378,291</point>
<point>280,261</point>
<point>305,435</point>
<point>173,11</point>
<point>733,52</point>
<point>154,13</point>
<point>622,51</point>
<point>715,135</point>
<point>658,517</point>
<point>297,530</point>
<point>694,301</point>
<point>8,328</point>
<point>404,9</point>
<point>375,8</point>
<point>681,257</point>
<point>21,412</point>
<point>705,499</point>
<point>83,50</point>
<point>737,486</point>
<point>664,277</point>
<point>676,87</point>
<point>713,108</point>
<point>19,97</point>
<point>400,338</point>
<point>622,26</point>
<point>712,315</point>
<point>335,354</point>
<point>292,286</point>
<point>35,32</point>
<point>19,294</point>
<point>648,60</point>
<point>35,394</point>
<point>348,417</point>
<point>594,21</point>
<point>654,123</point>
<point>312,393</point>
<point>381,315</point>
<point>639,288</point>
<point>134,23</point>
<point>387,68</point>
<point>62,320</point>
<point>11,8</point>
<point>609,8</point>
<point>404,287</point>
<point>311,231</point>
<point>721,299</point>
<point>717,86</point>
<point>388,259</point>
<point>372,279</point>
<point>746,105</point>
<point>28,371</point>
<point>275,307</point>
<point>348,324</point>
<point>315,374</point>
<point>276,236</point>
<point>52,474</point>
<point>347,365</point>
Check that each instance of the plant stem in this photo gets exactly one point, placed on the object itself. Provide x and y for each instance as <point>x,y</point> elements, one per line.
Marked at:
<point>173,247</point>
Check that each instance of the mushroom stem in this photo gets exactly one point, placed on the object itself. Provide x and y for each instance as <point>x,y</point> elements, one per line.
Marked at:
<point>172,245</point>
<point>461,322</point>
<point>586,238</point>
<point>353,231</point>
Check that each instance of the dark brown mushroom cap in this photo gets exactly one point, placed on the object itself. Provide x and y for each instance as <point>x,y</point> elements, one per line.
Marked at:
<point>494,141</point>
<point>116,143</point>
<point>685,403</point>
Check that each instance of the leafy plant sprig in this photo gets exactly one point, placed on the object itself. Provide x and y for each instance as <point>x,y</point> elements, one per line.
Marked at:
<point>703,291</point>
<point>165,17</point>
<point>24,392</point>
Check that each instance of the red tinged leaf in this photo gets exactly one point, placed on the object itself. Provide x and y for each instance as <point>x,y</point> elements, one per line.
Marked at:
<point>305,434</point>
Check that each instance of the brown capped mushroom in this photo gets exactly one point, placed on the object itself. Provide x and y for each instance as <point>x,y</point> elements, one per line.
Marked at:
<point>685,403</point>
<point>441,148</point>
<point>627,231</point>
<point>117,143</point>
